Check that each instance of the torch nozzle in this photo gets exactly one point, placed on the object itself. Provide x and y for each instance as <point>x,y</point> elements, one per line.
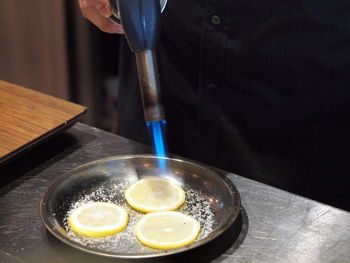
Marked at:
<point>149,85</point>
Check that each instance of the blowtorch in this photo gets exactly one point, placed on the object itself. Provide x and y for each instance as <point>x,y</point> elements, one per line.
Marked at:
<point>141,23</point>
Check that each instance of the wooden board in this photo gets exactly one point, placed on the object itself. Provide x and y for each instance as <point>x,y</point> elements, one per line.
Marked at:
<point>27,117</point>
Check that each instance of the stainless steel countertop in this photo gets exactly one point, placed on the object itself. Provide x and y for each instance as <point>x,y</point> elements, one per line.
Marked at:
<point>277,226</point>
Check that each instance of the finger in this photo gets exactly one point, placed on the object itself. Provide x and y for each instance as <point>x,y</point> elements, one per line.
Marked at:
<point>98,11</point>
<point>102,6</point>
<point>102,23</point>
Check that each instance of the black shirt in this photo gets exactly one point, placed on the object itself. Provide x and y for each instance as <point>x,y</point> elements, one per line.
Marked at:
<point>258,88</point>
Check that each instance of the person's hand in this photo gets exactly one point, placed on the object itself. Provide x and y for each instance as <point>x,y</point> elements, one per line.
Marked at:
<point>98,11</point>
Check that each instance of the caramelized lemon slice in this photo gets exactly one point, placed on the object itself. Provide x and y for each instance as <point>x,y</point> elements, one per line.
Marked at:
<point>166,230</point>
<point>153,194</point>
<point>98,219</point>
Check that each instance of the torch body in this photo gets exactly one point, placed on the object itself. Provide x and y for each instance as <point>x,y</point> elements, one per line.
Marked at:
<point>140,20</point>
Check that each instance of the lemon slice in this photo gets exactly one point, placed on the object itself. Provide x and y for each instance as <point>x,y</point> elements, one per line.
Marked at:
<point>98,219</point>
<point>166,230</point>
<point>153,194</point>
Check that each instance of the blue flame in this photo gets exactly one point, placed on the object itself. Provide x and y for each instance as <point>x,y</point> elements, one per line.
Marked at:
<point>157,132</point>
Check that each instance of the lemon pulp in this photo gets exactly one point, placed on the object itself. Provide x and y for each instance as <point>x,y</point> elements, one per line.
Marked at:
<point>98,219</point>
<point>166,230</point>
<point>153,194</point>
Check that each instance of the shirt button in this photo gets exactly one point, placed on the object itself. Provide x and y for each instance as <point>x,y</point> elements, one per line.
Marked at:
<point>216,20</point>
<point>211,86</point>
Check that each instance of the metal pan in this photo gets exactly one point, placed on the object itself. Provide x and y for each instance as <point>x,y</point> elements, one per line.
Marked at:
<point>210,198</point>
